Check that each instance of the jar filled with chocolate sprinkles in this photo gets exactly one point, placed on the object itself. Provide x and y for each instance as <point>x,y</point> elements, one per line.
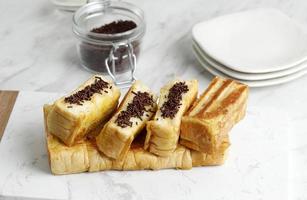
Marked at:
<point>108,35</point>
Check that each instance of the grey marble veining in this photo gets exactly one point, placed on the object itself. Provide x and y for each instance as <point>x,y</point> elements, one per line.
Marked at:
<point>37,53</point>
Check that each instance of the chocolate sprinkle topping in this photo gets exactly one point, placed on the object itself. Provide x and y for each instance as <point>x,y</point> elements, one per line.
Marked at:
<point>86,94</point>
<point>134,109</point>
<point>114,27</point>
<point>173,103</point>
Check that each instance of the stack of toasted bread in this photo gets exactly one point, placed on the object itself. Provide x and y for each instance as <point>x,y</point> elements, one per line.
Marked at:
<point>88,131</point>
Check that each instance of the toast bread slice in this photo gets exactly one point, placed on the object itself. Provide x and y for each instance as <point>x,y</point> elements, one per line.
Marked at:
<point>137,107</point>
<point>213,115</point>
<point>163,131</point>
<point>73,116</point>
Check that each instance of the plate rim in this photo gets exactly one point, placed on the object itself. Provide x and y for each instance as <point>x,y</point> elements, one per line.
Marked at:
<point>254,84</point>
<point>248,76</point>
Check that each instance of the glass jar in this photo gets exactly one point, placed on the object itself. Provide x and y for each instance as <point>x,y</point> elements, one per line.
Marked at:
<point>112,54</point>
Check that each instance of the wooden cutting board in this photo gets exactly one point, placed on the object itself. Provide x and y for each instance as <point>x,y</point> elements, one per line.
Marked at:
<point>7,101</point>
<point>256,167</point>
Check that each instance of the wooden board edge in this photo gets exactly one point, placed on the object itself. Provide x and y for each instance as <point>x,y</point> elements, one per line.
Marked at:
<point>7,102</point>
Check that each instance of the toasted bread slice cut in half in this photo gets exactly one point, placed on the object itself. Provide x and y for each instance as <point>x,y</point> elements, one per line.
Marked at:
<point>163,131</point>
<point>137,107</point>
<point>73,116</point>
<point>213,115</point>
<point>64,159</point>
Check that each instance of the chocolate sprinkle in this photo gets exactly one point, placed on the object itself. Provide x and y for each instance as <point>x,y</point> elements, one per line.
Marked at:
<point>86,94</point>
<point>114,27</point>
<point>173,103</point>
<point>134,109</point>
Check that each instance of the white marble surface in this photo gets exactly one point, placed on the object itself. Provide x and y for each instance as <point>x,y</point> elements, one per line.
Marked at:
<point>256,167</point>
<point>37,53</point>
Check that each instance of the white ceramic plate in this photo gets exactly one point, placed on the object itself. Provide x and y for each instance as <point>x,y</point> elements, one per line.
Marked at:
<point>247,76</point>
<point>256,41</point>
<point>259,83</point>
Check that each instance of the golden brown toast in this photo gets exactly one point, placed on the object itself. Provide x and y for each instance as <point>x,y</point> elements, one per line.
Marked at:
<point>64,159</point>
<point>163,131</point>
<point>73,116</point>
<point>85,157</point>
<point>137,107</point>
<point>138,159</point>
<point>217,158</point>
<point>212,116</point>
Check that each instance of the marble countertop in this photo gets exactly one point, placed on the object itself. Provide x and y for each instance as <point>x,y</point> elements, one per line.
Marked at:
<point>37,53</point>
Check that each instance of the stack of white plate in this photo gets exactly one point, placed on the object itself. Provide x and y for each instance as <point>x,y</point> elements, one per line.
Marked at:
<point>259,47</point>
